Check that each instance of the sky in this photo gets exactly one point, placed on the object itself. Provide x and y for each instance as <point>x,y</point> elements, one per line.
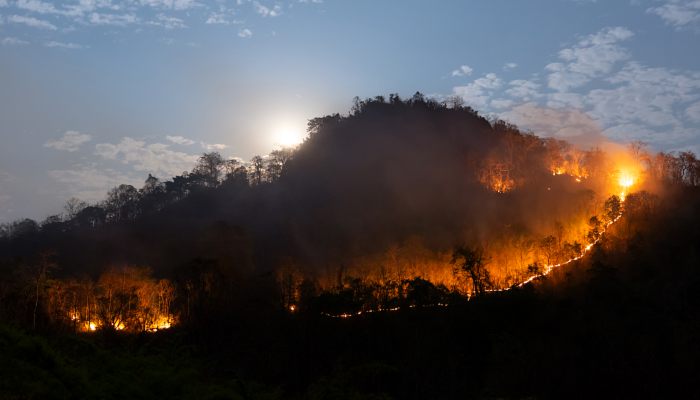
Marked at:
<point>95,93</point>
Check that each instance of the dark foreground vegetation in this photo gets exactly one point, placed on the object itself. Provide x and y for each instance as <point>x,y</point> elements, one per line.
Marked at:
<point>623,323</point>
<point>243,260</point>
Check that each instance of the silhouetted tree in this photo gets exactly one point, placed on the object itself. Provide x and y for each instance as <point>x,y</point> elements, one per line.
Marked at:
<point>471,262</point>
<point>612,208</point>
<point>209,167</point>
<point>257,175</point>
<point>72,207</point>
<point>121,203</point>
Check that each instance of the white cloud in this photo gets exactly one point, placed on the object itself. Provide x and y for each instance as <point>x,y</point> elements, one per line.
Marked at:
<point>171,4</point>
<point>217,18</point>
<point>36,6</point>
<point>213,146</point>
<point>155,158</point>
<point>181,140</point>
<point>63,45</point>
<point>68,10</point>
<point>478,92</point>
<point>463,70</point>
<point>509,66</point>
<point>112,19</point>
<point>13,41</point>
<point>245,33</point>
<point>3,3</point>
<point>265,11</point>
<point>70,141</point>
<point>591,57</point>
<point>501,103</point>
<point>623,99</point>
<point>644,95</point>
<point>524,90</point>
<point>678,13</point>
<point>91,183</point>
<point>32,22</point>
<point>168,22</point>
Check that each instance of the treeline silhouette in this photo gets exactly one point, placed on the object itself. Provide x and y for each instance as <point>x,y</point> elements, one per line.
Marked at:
<point>400,203</point>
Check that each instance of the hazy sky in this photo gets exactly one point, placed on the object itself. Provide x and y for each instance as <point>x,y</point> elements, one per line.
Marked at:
<point>94,93</point>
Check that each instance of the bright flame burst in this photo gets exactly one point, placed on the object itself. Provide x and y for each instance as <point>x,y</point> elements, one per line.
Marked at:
<point>625,179</point>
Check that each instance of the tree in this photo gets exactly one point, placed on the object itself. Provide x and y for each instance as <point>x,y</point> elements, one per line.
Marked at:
<point>418,98</point>
<point>534,269</point>
<point>689,168</point>
<point>73,207</point>
<point>90,216</point>
<point>41,276</point>
<point>455,102</point>
<point>229,167</point>
<point>258,165</point>
<point>152,186</point>
<point>594,230</point>
<point>209,168</point>
<point>20,227</point>
<point>612,208</point>
<point>121,203</point>
<point>276,162</point>
<point>548,247</point>
<point>471,263</point>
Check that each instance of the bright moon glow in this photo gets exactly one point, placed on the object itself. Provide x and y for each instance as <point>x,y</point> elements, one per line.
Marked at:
<point>288,137</point>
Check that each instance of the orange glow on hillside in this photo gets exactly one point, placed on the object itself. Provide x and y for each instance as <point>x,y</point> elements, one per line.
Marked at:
<point>625,180</point>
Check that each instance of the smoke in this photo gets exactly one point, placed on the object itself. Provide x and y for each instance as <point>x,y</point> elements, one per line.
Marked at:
<point>572,125</point>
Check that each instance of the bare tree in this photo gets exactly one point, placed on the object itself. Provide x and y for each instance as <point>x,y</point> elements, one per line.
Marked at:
<point>73,207</point>
<point>41,276</point>
<point>471,262</point>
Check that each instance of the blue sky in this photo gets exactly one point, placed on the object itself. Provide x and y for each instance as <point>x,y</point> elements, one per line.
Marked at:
<point>94,93</point>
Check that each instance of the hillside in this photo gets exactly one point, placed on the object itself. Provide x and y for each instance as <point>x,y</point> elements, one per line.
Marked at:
<point>409,249</point>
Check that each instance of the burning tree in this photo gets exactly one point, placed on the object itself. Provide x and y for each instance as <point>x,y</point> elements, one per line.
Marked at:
<point>471,263</point>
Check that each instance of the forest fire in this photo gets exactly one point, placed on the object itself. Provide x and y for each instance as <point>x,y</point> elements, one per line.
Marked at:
<point>534,259</point>
<point>124,299</point>
<point>546,270</point>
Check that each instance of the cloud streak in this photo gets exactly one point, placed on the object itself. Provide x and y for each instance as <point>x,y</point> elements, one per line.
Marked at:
<point>89,182</point>
<point>155,158</point>
<point>678,13</point>
<point>63,45</point>
<point>70,141</point>
<point>463,70</point>
<point>32,22</point>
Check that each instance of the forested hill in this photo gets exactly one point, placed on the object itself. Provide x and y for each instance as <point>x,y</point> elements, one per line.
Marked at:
<point>387,171</point>
<point>391,172</point>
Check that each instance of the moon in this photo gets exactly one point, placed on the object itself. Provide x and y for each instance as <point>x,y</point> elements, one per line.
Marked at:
<point>288,137</point>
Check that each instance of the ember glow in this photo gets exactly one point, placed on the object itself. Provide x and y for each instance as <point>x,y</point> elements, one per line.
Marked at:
<point>547,269</point>
<point>124,299</point>
<point>517,264</point>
